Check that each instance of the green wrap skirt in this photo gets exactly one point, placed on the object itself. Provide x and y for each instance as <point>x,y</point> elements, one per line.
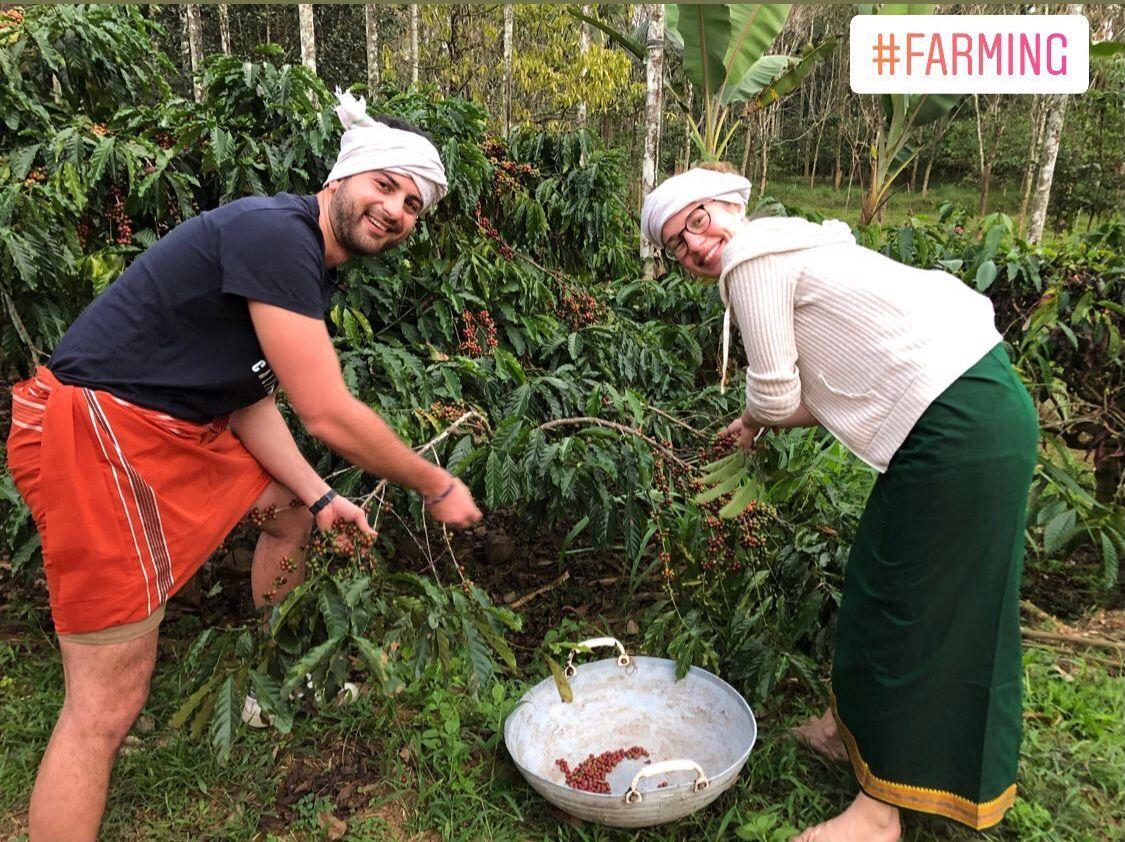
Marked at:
<point>926,678</point>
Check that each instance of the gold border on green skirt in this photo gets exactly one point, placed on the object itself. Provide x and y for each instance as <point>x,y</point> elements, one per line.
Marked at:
<point>939,802</point>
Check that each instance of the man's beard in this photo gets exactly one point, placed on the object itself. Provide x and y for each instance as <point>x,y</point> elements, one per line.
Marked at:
<point>351,228</point>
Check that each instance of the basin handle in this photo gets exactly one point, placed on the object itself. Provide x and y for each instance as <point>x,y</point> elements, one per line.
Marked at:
<point>623,660</point>
<point>633,796</point>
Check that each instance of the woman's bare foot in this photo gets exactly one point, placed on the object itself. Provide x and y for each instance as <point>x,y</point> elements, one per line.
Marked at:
<point>820,734</point>
<point>866,820</point>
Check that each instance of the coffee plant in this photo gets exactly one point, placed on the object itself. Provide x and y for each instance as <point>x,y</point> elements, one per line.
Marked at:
<point>514,333</point>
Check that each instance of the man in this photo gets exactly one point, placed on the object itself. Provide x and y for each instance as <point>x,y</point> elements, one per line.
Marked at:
<point>154,428</point>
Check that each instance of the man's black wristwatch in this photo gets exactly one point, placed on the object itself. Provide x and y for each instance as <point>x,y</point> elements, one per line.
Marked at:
<point>328,497</point>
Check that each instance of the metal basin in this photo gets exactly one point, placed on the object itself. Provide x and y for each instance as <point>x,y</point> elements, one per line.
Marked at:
<point>698,732</point>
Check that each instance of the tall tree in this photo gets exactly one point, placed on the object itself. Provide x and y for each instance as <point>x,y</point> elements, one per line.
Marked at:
<point>1055,107</point>
<point>1035,147</point>
<point>371,21</point>
<point>654,84</point>
<point>413,43</point>
<point>993,112</point>
<point>584,51</point>
<point>308,36</point>
<point>195,46</point>
<point>224,28</point>
<point>1056,114</point>
<point>509,32</point>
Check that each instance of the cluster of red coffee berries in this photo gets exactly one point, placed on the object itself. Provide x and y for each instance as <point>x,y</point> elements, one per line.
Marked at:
<point>669,478</point>
<point>473,324</point>
<point>497,154</point>
<point>735,542</point>
<point>722,446</point>
<point>171,217</point>
<point>341,547</point>
<point>118,219</point>
<point>490,231</point>
<point>578,308</point>
<point>494,148</point>
<point>590,775</point>
<point>35,176</point>
<point>260,517</point>
<point>288,568</point>
<point>447,411</point>
<point>507,175</point>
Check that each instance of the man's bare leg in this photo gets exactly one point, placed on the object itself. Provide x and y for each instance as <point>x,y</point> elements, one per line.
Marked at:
<point>106,687</point>
<point>283,537</point>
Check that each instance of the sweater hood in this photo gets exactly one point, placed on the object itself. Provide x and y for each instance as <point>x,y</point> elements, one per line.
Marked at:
<point>778,235</point>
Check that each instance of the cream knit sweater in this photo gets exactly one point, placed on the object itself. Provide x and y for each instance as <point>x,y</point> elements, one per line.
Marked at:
<point>863,342</point>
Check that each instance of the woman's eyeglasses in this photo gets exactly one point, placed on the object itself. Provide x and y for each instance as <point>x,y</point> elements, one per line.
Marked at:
<point>697,222</point>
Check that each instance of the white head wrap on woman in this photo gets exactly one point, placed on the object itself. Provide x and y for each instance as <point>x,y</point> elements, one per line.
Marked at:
<point>679,191</point>
<point>370,145</point>
<point>675,194</point>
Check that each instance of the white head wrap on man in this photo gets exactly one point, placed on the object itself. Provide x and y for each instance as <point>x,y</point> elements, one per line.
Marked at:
<point>370,145</point>
<point>691,187</point>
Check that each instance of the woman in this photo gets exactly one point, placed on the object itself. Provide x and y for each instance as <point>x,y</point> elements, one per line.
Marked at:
<point>905,367</point>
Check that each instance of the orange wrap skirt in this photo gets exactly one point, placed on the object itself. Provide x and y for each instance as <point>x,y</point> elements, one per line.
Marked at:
<point>129,501</point>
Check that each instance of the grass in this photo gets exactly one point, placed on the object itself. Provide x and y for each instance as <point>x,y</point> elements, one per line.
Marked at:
<point>432,765</point>
<point>825,200</point>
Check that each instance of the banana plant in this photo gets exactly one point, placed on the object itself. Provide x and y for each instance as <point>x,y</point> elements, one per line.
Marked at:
<point>723,48</point>
<point>903,115</point>
<point>724,56</point>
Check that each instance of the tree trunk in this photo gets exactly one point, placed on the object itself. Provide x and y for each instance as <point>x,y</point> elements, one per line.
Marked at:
<point>371,25</point>
<point>763,125</point>
<point>990,160</point>
<point>308,36</point>
<point>1034,148</point>
<point>1056,113</point>
<point>851,178</point>
<point>654,89</point>
<point>980,154</point>
<point>413,44</point>
<point>926,177</point>
<point>224,27</point>
<point>185,47</point>
<point>838,178</point>
<point>816,156</point>
<point>583,49</point>
<point>509,26</point>
<point>746,150</point>
<point>195,47</point>
<point>804,143</point>
<point>687,128</point>
<point>985,180</point>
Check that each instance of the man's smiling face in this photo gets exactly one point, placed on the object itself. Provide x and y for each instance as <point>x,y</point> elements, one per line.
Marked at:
<point>374,211</point>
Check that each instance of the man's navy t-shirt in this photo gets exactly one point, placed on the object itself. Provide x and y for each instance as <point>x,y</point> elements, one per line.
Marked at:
<point>173,333</point>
